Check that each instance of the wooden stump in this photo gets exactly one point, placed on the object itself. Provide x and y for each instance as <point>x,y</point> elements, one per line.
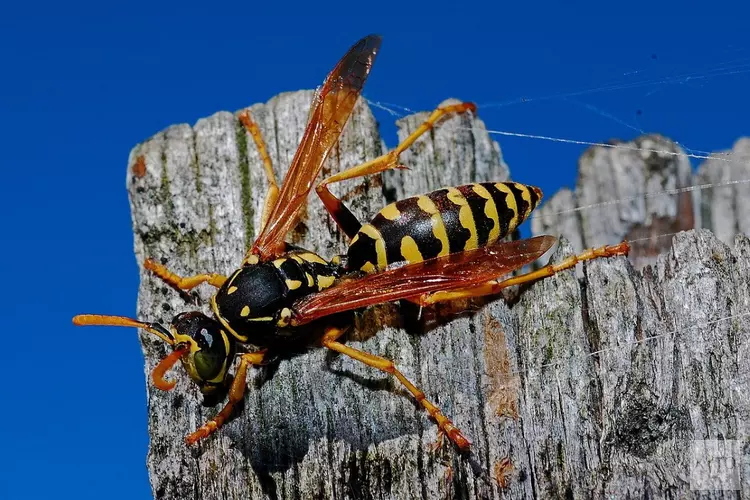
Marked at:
<point>547,418</point>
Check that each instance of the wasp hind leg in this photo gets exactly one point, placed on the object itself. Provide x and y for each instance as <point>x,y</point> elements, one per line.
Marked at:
<point>236,394</point>
<point>494,286</point>
<point>445,426</point>
<point>341,214</point>
<point>183,283</point>
<point>273,186</point>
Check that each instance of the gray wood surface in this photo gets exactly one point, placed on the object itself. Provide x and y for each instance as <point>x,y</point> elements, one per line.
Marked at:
<point>519,380</point>
<point>639,175</point>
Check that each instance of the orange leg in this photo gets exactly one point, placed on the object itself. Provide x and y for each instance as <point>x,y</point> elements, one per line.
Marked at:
<point>494,286</point>
<point>341,214</point>
<point>236,394</point>
<point>273,187</point>
<point>386,365</point>
<point>187,283</point>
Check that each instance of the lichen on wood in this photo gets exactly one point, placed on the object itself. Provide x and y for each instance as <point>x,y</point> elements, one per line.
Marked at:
<point>547,417</point>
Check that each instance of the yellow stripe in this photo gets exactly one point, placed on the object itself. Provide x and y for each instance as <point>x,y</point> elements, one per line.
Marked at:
<point>427,205</point>
<point>181,338</point>
<point>490,210</point>
<point>226,342</point>
<point>510,203</point>
<point>188,360</point>
<point>438,227</point>
<point>232,277</point>
<point>297,259</point>
<point>223,373</point>
<point>279,262</point>
<point>293,284</point>
<point>456,197</point>
<point>224,323</point>
<point>373,233</point>
<point>311,257</point>
<point>245,312</point>
<point>410,250</point>
<point>368,267</point>
<point>325,282</point>
<point>391,212</point>
<point>466,219</point>
<point>310,280</point>
<point>526,197</point>
<point>231,290</point>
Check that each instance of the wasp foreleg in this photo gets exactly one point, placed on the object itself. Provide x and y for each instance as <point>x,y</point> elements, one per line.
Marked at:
<point>386,365</point>
<point>187,283</point>
<point>494,286</point>
<point>236,394</point>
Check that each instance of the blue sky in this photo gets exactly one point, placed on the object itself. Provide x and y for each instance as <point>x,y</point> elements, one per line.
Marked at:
<point>82,84</point>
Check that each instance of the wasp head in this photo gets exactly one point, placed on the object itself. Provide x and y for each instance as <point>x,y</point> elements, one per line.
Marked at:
<point>208,350</point>
<point>198,341</point>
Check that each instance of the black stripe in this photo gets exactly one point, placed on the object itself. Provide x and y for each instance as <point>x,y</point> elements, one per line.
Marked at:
<point>504,213</point>
<point>457,234</point>
<point>534,197</point>
<point>482,223</point>
<point>521,203</point>
<point>413,222</point>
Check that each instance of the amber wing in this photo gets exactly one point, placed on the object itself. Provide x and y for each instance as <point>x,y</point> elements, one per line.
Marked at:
<point>451,272</point>
<point>331,107</point>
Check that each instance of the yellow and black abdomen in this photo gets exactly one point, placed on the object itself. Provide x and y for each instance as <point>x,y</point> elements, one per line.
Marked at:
<point>445,221</point>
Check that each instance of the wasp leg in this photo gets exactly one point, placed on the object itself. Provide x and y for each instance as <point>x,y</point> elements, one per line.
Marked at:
<point>187,283</point>
<point>494,286</point>
<point>340,213</point>
<point>386,365</point>
<point>236,394</point>
<point>273,187</point>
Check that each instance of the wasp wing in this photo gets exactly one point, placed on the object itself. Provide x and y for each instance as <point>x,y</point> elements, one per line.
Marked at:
<point>331,107</point>
<point>450,272</point>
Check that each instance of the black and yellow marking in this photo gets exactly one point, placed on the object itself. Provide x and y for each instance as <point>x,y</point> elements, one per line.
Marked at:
<point>256,298</point>
<point>445,221</point>
<point>251,260</point>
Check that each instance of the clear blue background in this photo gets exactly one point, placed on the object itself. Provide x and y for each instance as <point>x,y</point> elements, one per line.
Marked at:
<point>81,84</point>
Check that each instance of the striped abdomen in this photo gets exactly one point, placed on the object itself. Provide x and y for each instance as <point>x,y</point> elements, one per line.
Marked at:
<point>445,221</point>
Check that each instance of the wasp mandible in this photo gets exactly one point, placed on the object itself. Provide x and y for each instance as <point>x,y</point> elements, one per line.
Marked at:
<point>441,246</point>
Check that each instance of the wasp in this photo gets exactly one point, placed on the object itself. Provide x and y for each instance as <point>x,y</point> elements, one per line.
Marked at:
<point>445,245</point>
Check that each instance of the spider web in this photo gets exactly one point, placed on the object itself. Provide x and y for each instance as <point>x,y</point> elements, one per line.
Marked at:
<point>644,88</point>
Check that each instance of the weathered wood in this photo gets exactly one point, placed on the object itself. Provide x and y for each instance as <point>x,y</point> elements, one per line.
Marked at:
<point>638,174</point>
<point>519,381</point>
<point>725,210</point>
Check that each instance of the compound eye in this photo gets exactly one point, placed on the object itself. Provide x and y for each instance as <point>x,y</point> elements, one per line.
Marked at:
<point>209,360</point>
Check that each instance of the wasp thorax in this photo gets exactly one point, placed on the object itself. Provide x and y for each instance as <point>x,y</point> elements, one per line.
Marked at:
<point>211,349</point>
